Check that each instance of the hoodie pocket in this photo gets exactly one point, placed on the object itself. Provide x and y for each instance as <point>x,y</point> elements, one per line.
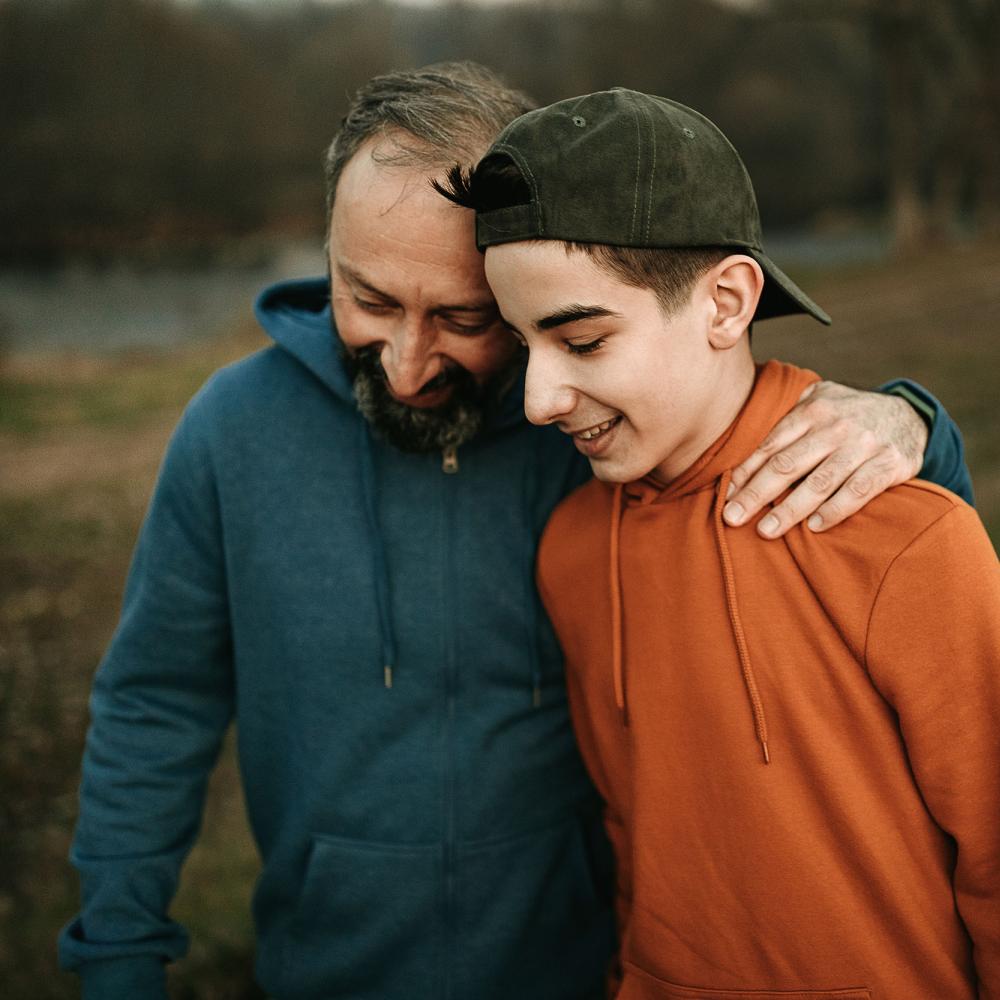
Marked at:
<point>637,984</point>
<point>367,922</point>
<point>536,908</point>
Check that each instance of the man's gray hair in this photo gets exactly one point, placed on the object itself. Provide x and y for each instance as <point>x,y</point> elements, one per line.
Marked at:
<point>436,116</point>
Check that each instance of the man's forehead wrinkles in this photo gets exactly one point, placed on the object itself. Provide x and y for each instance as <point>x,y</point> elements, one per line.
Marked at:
<point>426,240</point>
<point>407,191</point>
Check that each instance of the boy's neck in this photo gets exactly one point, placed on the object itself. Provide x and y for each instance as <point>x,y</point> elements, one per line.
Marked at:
<point>732,391</point>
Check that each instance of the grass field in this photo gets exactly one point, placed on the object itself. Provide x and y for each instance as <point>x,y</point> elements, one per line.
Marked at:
<point>80,440</point>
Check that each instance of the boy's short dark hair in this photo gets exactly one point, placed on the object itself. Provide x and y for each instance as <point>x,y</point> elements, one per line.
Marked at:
<point>669,273</point>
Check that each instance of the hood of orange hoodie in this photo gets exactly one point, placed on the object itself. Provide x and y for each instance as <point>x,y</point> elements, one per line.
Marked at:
<point>776,389</point>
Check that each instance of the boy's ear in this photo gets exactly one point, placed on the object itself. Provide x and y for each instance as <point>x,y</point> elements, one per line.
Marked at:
<point>735,285</point>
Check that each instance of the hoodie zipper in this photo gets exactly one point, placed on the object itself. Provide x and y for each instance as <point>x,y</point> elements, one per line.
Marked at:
<point>450,466</point>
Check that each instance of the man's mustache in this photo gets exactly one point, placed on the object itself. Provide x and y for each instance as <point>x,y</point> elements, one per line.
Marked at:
<point>368,358</point>
<point>447,376</point>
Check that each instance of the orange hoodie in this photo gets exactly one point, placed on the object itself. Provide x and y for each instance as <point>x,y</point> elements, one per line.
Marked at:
<point>798,741</point>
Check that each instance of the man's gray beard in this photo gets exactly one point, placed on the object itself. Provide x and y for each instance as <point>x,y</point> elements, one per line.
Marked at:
<point>417,429</point>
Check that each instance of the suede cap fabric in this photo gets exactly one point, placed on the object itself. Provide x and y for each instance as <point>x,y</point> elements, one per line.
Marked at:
<point>628,169</point>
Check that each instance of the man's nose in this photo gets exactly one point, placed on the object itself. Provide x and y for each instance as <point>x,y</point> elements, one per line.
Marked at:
<point>409,358</point>
<point>547,396</point>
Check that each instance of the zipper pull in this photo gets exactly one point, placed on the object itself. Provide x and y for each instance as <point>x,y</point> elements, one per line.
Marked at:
<point>449,460</point>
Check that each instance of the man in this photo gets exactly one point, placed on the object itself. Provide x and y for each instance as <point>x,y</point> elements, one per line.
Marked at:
<point>357,591</point>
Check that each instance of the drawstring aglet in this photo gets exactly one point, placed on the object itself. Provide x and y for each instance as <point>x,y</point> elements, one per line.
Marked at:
<point>387,675</point>
<point>767,756</point>
<point>536,697</point>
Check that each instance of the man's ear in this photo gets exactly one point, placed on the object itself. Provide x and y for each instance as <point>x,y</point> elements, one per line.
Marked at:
<point>735,285</point>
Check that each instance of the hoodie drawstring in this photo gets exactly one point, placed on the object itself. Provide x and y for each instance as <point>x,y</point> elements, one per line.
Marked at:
<point>617,632</point>
<point>615,579</point>
<point>387,637</point>
<point>536,666</point>
<point>759,722</point>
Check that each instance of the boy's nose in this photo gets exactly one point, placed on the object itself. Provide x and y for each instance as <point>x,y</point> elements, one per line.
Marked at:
<point>547,398</point>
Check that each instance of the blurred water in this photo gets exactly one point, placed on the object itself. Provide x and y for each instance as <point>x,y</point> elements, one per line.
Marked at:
<point>809,250</point>
<point>125,306</point>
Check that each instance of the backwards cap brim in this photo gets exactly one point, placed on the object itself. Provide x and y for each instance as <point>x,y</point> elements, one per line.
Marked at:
<point>781,296</point>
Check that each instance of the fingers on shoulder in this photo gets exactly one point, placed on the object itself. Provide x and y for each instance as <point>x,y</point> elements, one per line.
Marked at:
<point>867,482</point>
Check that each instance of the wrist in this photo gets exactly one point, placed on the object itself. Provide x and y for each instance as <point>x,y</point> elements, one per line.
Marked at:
<point>919,400</point>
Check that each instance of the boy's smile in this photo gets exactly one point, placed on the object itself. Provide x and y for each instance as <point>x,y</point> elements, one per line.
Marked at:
<point>639,391</point>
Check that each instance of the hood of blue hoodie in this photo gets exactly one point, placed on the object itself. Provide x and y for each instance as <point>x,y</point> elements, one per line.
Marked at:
<point>296,315</point>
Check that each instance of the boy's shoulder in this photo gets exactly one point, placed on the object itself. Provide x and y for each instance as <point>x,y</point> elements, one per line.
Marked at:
<point>916,529</point>
<point>584,514</point>
<point>577,530</point>
<point>580,507</point>
<point>888,524</point>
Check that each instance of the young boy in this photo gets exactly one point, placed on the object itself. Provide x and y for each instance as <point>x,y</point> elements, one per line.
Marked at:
<point>798,742</point>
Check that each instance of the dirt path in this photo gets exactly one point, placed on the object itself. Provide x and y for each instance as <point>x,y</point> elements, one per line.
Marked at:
<point>80,457</point>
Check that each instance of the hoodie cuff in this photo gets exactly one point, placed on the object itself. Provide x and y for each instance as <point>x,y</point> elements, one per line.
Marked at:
<point>944,456</point>
<point>124,978</point>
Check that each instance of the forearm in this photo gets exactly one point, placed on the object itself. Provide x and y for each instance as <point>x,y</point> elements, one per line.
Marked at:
<point>145,768</point>
<point>162,699</point>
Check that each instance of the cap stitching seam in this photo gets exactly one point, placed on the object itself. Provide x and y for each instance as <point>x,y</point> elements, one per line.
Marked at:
<point>652,174</point>
<point>638,159</point>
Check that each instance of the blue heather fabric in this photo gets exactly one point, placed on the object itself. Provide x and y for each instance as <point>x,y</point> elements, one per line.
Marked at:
<point>435,839</point>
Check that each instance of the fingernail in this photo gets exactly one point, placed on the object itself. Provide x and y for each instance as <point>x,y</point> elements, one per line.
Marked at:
<point>733,513</point>
<point>815,522</point>
<point>730,490</point>
<point>769,525</point>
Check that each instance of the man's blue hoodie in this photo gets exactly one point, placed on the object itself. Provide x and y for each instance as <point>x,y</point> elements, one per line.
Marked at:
<point>436,838</point>
<point>369,618</point>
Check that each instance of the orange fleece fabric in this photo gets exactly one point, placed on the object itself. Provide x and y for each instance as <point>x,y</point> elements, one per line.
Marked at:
<point>798,741</point>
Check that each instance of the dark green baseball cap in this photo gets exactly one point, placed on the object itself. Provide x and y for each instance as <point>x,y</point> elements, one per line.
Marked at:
<point>632,170</point>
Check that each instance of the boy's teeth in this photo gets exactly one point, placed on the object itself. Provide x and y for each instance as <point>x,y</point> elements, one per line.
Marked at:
<point>594,431</point>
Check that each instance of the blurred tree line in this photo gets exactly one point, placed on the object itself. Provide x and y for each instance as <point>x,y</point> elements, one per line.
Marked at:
<point>155,129</point>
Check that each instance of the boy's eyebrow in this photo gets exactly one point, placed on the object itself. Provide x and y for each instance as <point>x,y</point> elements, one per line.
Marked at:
<point>572,314</point>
